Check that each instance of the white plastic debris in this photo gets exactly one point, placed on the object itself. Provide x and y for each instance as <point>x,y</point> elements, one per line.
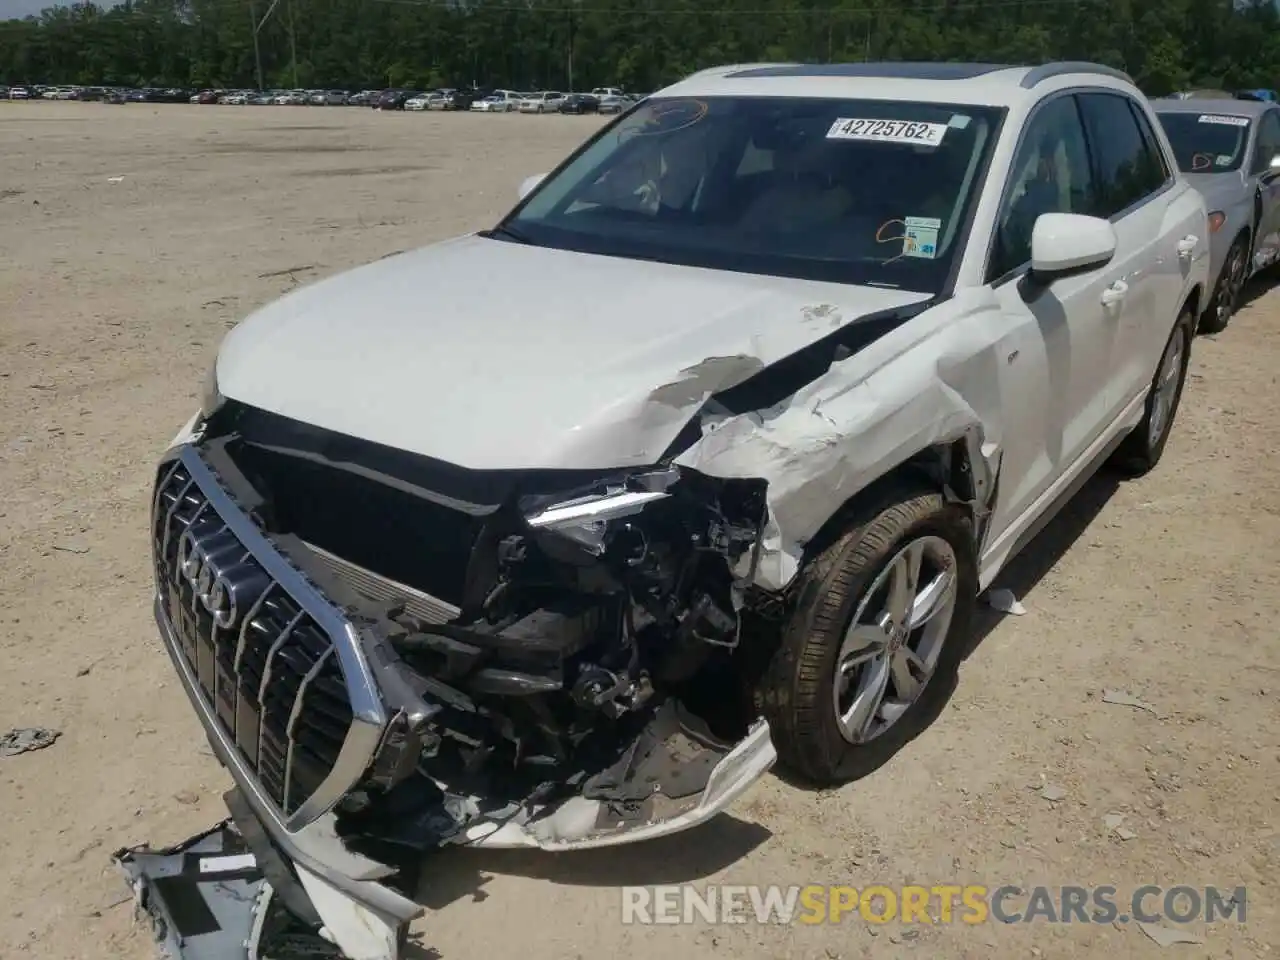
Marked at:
<point>115,179</point>
<point>1165,936</point>
<point>1113,820</point>
<point>1004,601</point>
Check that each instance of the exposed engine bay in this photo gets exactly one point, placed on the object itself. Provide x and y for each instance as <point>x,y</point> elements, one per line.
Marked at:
<point>543,635</point>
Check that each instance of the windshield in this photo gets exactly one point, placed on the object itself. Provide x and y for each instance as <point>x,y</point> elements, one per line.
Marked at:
<point>1206,142</point>
<point>854,191</point>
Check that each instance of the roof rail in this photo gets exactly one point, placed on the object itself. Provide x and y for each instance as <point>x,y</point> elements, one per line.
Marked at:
<point>1043,72</point>
<point>726,68</point>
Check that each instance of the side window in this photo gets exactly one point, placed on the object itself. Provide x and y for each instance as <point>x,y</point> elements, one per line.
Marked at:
<point>1160,162</point>
<point>1128,169</point>
<point>1050,174</point>
<point>1267,143</point>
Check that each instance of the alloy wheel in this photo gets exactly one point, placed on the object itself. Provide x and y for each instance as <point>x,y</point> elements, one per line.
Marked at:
<point>892,646</point>
<point>1231,285</point>
<point>1165,393</point>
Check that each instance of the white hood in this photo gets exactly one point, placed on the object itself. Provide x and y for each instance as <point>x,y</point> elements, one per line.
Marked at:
<point>497,355</point>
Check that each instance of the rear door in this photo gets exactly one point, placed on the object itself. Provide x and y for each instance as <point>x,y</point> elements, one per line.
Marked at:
<point>1139,193</point>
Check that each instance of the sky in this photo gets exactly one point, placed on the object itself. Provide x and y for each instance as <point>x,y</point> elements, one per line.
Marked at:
<point>21,8</point>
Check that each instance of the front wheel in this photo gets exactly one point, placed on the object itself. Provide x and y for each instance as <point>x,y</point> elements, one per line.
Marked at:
<point>875,641</point>
<point>1141,450</point>
<point>1226,295</point>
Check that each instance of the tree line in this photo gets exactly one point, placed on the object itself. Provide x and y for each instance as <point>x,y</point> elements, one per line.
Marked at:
<point>1165,45</point>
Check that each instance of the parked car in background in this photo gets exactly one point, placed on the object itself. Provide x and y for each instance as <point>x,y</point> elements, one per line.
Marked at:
<point>1229,150</point>
<point>394,99</point>
<point>1206,94</point>
<point>19,93</point>
<point>613,103</point>
<point>418,101</point>
<point>544,101</point>
<point>325,98</point>
<point>579,103</point>
<point>459,98</point>
<point>499,101</point>
<point>1260,93</point>
<point>599,92</point>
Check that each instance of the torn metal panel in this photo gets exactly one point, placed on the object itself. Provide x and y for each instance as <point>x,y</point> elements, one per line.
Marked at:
<point>866,415</point>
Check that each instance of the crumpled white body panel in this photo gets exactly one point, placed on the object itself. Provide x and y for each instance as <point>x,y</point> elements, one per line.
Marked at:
<point>928,382</point>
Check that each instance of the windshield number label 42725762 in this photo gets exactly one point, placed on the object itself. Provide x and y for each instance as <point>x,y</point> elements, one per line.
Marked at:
<point>888,131</point>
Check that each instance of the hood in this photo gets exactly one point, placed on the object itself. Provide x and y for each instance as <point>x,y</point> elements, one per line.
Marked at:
<point>495,355</point>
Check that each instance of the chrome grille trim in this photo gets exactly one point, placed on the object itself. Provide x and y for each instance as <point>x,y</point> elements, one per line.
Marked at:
<point>211,666</point>
<point>375,586</point>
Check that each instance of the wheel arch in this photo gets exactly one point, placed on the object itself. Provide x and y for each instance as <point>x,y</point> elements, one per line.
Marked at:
<point>956,468</point>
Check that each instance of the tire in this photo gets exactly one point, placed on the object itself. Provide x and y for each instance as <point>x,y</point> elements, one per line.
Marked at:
<point>1141,450</point>
<point>1226,292</point>
<point>854,578</point>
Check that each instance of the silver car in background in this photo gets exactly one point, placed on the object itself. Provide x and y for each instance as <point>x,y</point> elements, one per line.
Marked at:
<point>1229,150</point>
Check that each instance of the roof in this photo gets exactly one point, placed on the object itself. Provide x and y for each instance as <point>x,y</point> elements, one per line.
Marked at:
<point>991,84</point>
<point>1227,105</point>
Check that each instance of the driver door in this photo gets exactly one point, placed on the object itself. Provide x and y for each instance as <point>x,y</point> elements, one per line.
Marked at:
<point>1057,353</point>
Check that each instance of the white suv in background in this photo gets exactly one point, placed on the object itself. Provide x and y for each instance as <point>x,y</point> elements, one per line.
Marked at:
<point>545,101</point>
<point>569,564</point>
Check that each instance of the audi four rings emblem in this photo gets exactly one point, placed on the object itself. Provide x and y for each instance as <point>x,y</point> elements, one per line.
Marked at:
<point>210,587</point>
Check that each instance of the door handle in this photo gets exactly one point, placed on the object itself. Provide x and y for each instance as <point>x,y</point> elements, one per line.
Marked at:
<point>1187,246</point>
<point>1114,295</point>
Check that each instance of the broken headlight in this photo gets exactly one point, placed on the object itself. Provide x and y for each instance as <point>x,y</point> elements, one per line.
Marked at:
<point>587,520</point>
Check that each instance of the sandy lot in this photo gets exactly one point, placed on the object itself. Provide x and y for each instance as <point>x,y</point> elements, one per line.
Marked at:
<point>113,297</point>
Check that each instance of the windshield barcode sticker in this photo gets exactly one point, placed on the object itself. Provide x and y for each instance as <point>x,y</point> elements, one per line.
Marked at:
<point>1224,120</point>
<point>888,131</point>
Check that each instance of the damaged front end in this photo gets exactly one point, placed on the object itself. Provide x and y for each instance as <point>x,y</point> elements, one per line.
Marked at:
<point>586,690</point>
<point>391,654</point>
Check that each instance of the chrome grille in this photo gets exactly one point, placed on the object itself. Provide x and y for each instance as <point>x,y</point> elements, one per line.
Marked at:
<point>267,671</point>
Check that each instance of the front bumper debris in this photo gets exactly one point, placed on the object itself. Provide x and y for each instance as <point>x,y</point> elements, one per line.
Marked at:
<point>230,894</point>
<point>580,823</point>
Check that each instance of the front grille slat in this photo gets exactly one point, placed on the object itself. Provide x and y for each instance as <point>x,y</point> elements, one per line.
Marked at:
<point>268,672</point>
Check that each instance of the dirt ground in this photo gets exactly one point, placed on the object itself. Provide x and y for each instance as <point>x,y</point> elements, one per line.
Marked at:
<point>132,237</point>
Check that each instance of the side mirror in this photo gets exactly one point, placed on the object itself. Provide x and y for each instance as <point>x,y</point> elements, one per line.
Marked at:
<point>1275,163</point>
<point>530,183</point>
<point>1067,243</point>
